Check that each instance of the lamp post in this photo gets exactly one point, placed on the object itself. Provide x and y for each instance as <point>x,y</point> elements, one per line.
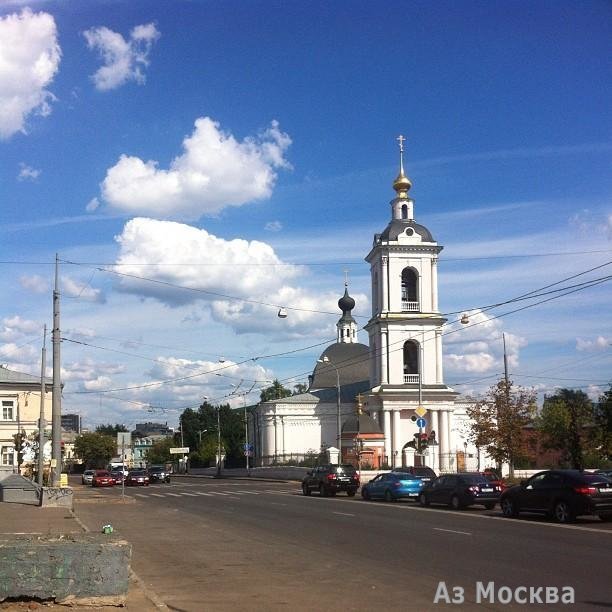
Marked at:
<point>218,443</point>
<point>246,436</point>
<point>326,361</point>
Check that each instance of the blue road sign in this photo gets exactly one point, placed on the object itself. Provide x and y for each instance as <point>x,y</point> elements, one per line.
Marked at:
<point>421,423</point>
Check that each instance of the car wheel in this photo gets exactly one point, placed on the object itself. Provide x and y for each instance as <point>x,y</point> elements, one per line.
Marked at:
<point>490,506</point>
<point>322,490</point>
<point>351,493</point>
<point>423,500</point>
<point>562,512</point>
<point>606,518</point>
<point>509,508</point>
<point>365,494</point>
<point>389,496</point>
<point>455,503</point>
<point>305,490</point>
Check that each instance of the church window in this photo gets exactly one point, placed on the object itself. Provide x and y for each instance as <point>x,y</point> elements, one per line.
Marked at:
<point>411,362</point>
<point>404,211</point>
<point>410,298</point>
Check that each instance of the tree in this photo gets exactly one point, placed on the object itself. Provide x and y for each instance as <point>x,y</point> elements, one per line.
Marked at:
<point>95,449</point>
<point>602,432</point>
<point>160,451</point>
<point>276,391</point>
<point>498,418</point>
<point>111,430</point>
<point>299,388</point>
<point>563,421</point>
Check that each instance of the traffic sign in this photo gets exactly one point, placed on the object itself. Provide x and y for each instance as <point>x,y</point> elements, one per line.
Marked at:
<point>179,451</point>
<point>421,423</point>
<point>420,411</point>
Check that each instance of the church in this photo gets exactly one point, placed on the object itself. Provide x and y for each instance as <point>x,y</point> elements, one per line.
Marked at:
<point>384,402</point>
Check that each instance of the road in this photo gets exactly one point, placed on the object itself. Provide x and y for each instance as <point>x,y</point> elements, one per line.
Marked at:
<point>205,544</point>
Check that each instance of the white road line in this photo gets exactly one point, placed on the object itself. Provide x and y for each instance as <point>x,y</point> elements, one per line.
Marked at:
<point>218,493</point>
<point>343,513</point>
<point>202,493</point>
<point>232,492</point>
<point>247,492</point>
<point>140,495</point>
<point>157,494</point>
<point>173,494</point>
<point>189,494</point>
<point>452,531</point>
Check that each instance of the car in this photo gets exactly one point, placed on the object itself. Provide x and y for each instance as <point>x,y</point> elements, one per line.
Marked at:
<point>158,473</point>
<point>494,478</point>
<point>460,490</point>
<point>392,486</point>
<point>331,478</point>
<point>560,494</point>
<point>426,474</point>
<point>118,475</point>
<point>87,476</point>
<point>102,478</point>
<point>137,477</point>
<point>606,473</point>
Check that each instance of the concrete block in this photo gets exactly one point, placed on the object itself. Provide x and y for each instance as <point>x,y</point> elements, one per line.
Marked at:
<point>20,496</point>
<point>76,568</point>
<point>57,497</point>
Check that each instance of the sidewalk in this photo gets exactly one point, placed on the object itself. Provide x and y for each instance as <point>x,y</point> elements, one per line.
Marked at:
<point>24,519</point>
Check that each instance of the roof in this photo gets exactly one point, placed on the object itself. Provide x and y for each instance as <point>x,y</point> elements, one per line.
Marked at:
<point>399,226</point>
<point>348,393</point>
<point>20,378</point>
<point>348,363</point>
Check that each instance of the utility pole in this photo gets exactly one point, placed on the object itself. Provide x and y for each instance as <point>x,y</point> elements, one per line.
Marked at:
<point>218,443</point>
<point>246,436</point>
<point>56,406</point>
<point>41,420</point>
<point>507,409</point>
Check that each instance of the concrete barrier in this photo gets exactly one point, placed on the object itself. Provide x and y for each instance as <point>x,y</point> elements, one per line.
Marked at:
<point>81,569</point>
<point>19,490</point>
<point>57,497</point>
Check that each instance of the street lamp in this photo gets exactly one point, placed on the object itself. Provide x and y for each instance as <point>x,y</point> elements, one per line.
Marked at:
<point>218,443</point>
<point>326,361</point>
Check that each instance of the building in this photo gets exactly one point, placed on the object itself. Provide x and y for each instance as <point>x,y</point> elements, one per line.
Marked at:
<point>71,422</point>
<point>152,429</point>
<point>399,374</point>
<point>20,397</point>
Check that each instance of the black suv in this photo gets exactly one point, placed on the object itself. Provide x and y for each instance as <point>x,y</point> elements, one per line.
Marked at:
<point>158,473</point>
<point>460,490</point>
<point>560,494</point>
<point>329,479</point>
<point>422,472</point>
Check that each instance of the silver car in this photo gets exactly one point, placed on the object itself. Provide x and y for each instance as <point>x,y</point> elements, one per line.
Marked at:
<point>87,477</point>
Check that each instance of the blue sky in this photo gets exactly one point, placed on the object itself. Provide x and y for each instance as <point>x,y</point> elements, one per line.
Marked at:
<point>248,149</point>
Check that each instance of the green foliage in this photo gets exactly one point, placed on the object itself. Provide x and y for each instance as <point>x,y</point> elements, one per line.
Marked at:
<point>111,430</point>
<point>299,388</point>
<point>160,452</point>
<point>276,391</point>
<point>498,418</point>
<point>95,449</point>
<point>563,423</point>
<point>601,439</point>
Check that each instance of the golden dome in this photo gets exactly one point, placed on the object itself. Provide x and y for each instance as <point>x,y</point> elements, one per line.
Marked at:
<point>402,184</point>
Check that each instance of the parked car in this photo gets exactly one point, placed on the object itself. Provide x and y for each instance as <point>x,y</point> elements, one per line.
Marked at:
<point>137,477</point>
<point>426,474</point>
<point>606,473</point>
<point>118,475</point>
<point>87,476</point>
<point>560,494</point>
<point>158,473</point>
<point>392,486</point>
<point>102,478</point>
<point>494,478</point>
<point>331,478</point>
<point>460,490</point>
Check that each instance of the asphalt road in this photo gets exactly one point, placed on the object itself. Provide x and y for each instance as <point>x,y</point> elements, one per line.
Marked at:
<point>205,544</point>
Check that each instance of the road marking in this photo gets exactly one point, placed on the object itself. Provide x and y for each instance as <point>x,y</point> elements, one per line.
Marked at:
<point>343,513</point>
<point>247,492</point>
<point>157,494</point>
<point>189,494</point>
<point>173,494</point>
<point>452,531</point>
<point>218,493</point>
<point>140,495</point>
<point>202,493</point>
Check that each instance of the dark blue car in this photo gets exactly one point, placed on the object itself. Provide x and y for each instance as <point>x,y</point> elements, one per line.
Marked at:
<point>392,486</point>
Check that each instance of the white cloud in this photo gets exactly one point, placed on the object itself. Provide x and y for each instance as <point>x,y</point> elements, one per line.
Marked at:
<point>91,372</point>
<point>273,226</point>
<point>23,355</point>
<point>29,58</point>
<point>599,344</point>
<point>124,60</point>
<point>27,173</point>
<point>478,346</point>
<point>15,327</point>
<point>92,205</point>
<point>34,283</point>
<point>213,172</point>
<point>81,290</point>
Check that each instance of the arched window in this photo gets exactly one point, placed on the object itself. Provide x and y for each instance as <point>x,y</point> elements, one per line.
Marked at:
<point>411,362</point>
<point>410,297</point>
<point>404,211</point>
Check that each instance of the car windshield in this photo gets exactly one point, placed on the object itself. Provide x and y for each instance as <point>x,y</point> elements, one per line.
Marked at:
<point>424,471</point>
<point>593,478</point>
<point>156,469</point>
<point>404,476</point>
<point>491,476</point>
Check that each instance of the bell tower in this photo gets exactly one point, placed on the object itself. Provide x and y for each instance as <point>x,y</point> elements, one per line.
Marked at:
<point>405,333</point>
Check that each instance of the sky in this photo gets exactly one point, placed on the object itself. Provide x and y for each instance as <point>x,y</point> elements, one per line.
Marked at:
<point>197,165</point>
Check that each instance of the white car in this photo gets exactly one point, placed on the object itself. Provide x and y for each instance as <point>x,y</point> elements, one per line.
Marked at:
<point>87,477</point>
